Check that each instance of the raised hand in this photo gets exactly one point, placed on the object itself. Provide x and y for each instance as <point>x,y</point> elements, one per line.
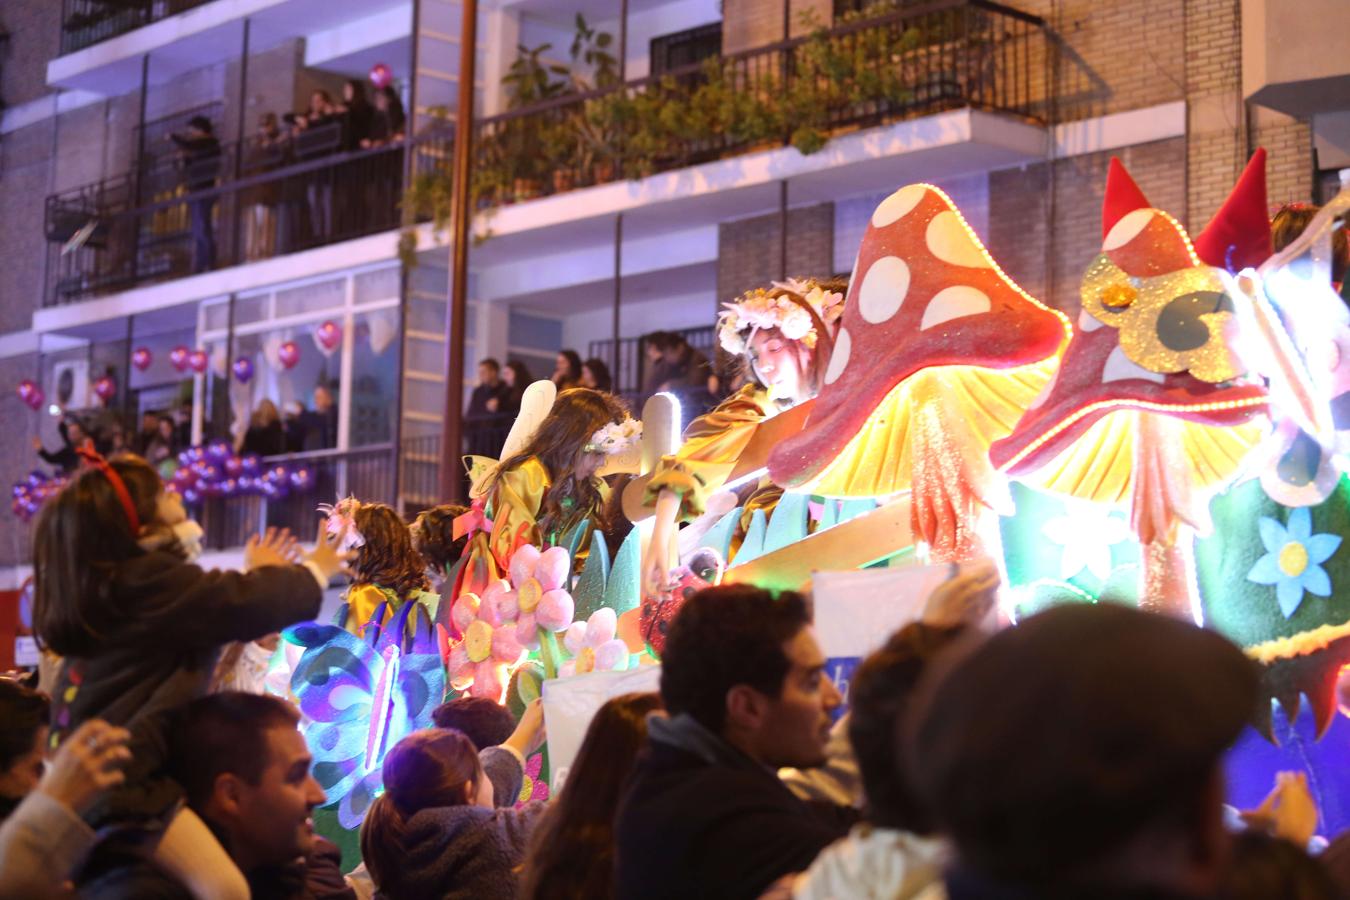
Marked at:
<point>278,547</point>
<point>328,555</point>
<point>965,598</point>
<point>89,763</point>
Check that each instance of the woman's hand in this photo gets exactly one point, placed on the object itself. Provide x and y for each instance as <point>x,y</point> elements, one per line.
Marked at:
<point>1288,811</point>
<point>278,547</point>
<point>328,556</point>
<point>530,734</point>
<point>965,598</point>
<point>89,763</point>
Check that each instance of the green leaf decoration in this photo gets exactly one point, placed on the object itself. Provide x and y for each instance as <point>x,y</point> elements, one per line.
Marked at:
<point>851,509</point>
<point>830,517</point>
<point>789,522</point>
<point>589,592</point>
<point>752,547</point>
<point>624,589</point>
<point>525,686</point>
<point>719,536</point>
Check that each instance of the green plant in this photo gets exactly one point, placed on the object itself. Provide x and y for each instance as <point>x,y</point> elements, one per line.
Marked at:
<point>590,48</point>
<point>530,80</point>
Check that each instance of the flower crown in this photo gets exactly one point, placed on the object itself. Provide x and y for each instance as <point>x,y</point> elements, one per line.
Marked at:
<point>615,437</point>
<point>771,308</point>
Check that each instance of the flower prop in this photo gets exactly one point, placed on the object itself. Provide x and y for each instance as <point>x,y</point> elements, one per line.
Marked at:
<point>938,354</point>
<point>1293,560</point>
<point>616,437</point>
<point>481,662</point>
<point>360,696</point>
<point>533,786</point>
<point>1122,423</point>
<point>594,645</point>
<point>771,308</point>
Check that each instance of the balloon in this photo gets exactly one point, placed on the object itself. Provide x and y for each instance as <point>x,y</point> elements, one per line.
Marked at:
<point>301,479</point>
<point>178,358</point>
<point>243,369</point>
<point>19,489</point>
<point>277,475</point>
<point>26,389</point>
<point>196,454</point>
<point>185,458</point>
<point>229,487</point>
<point>36,477</point>
<point>218,451</point>
<point>288,354</point>
<point>252,464</point>
<point>198,361</point>
<point>210,474</point>
<point>329,335</point>
<point>141,358</point>
<point>381,75</point>
<point>234,466</point>
<point>247,484</point>
<point>184,477</point>
<point>35,401</point>
<point>105,387</point>
<point>191,496</point>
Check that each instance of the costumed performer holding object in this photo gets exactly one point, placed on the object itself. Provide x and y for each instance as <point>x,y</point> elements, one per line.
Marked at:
<point>785,334</point>
<point>938,355</point>
<point>139,630</point>
<point>387,569</point>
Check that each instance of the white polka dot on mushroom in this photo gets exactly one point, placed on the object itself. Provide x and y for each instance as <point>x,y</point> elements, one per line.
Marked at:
<point>955,302</point>
<point>948,241</point>
<point>898,205</point>
<point>843,348</point>
<point>1120,368</point>
<point>1127,229</point>
<point>883,289</point>
<point>1087,321</point>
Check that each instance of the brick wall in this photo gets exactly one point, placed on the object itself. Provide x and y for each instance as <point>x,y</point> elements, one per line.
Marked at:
<point>34,28</point>
<point>747,24</point>
<point>749,249</point>
<point>25,160</point>
<point>17,452</point>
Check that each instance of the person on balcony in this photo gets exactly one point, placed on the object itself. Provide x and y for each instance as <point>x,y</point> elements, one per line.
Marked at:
<point>266,153</point>
<point>65,460</point>
<point>677,368</point>
<point>319,425</point>
<point>201,164</point>
<point>567,370</point>
<point>316,138</point>
<point>265,436</point>
<point>516,376</point>
<point>486,422</point>
<point>595,375</point>
<point>388,121</point>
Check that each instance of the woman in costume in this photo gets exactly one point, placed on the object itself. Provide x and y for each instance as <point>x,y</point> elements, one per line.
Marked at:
<point>784,335</point>
<point>549,488</point>
<point>387,568</point>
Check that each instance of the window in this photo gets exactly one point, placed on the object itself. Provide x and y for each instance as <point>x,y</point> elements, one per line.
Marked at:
<point>685,48</point>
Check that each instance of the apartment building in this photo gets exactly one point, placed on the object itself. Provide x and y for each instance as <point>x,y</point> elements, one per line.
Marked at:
<point>636,162</point>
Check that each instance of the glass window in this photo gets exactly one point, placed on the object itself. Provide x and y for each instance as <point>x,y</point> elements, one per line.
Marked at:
<point>375,375</point>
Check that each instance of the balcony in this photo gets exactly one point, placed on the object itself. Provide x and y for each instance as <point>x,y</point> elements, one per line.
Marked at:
<point>87,22</point>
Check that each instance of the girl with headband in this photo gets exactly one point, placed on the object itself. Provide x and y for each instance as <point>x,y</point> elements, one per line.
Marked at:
<point>139,628</point>
<point>784,335</point>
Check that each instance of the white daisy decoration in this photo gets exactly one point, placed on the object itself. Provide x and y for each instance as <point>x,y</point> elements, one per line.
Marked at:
<point>1086,535</point>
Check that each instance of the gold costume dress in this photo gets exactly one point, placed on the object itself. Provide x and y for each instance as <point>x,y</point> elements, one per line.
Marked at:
<point>713,444</point>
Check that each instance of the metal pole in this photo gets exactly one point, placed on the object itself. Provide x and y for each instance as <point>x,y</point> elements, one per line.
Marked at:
<point>452,483</point>
<point>243,105</point>
<point>782,229</point>
<point>129,419</point>
<point>618,294</point>
<point>623,52</point>
<point>140,168</point>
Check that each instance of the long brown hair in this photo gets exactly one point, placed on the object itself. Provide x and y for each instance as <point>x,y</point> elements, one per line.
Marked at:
<point>560,439</point>
<point>82,536</point>
<point>387,557</point>
<point>426,770</point>
<point>572,849</point>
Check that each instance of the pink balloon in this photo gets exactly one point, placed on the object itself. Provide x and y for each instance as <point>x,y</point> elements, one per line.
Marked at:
<point>329,336</point>
<point>26,389</point>
<point>105,388</point>
<point>288,354</point>
<point>381,75</point>
<point>141,358</point>
<point>178,358</point>
<point>198,361</point>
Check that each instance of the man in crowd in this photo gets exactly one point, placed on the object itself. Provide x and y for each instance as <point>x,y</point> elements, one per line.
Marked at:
<point>201,164</point>
<point>1078,755</point>
<point>320,424</point>
<point>706,815</point>
<point>485,422</point>
<point>246,772</point>
<point>675,367</point>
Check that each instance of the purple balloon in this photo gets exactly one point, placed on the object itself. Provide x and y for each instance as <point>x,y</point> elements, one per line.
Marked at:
<point>218,451</point>
<point>243,369</point>
<point>184,477</point>
<point>229,487</point>
<point>210,474</point>
<point>191,496</point>
<point>302,479</point>
<point>233,466</point>
<point>252,464</point>
<point>185,458</point>
<point>36,478</point>
<point>19,489</point>
<point>247,484</point>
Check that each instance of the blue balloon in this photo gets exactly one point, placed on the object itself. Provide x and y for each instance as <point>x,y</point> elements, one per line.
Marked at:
<point>218,451</point>
<point>252,464</point>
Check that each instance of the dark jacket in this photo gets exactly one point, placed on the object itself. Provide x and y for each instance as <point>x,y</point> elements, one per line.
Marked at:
<point>264,440</point>
<point>701,819</point>
<point>119,872</point>
<point>462,853</point>
<point>160,654</point>
<point>962,885</point>
<point>201,160</point>
<point>66,460</point>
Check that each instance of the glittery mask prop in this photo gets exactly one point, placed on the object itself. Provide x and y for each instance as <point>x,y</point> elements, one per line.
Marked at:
<point>343,515</point>
<point>938,353</point>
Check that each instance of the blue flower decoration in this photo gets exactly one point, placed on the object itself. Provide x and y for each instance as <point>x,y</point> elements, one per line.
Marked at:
<point>1293,560</point>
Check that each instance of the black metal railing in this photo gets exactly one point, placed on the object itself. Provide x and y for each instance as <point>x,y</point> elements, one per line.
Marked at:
<point>366,472</point>
<point>86,22</point>
<point>175,217</point>
<point>630,379</point>
<point>915,60</point>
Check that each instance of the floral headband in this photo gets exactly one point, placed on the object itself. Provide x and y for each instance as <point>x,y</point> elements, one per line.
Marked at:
<point>616,437</point>
<point>773,308</point>
<point>343,515</point>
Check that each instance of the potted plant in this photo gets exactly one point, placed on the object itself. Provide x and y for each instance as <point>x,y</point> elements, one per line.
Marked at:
<point>529,81</point>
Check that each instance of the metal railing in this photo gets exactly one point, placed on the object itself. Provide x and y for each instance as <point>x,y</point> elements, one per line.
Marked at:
<point>86,22</point>
<point>366,472</point>
<point>253,201</point>
<point>913,61</point>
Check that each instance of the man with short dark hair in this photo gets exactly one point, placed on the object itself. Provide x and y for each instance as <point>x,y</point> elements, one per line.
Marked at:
<point>677,368</point>
<point>483,721</point>
<point>245,770</point>
<point>201,165</point>
<point>485,420</point>
<point>1078,755</point>
<point>743,680</point>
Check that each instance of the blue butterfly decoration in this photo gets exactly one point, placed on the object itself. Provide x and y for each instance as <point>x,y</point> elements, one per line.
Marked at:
<point>361,695</point>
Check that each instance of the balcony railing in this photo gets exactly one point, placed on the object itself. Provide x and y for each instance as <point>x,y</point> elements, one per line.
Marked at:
<point>86,22</point>
<point>877,68</point>
<point>254,201</point>
<point>367,472</point>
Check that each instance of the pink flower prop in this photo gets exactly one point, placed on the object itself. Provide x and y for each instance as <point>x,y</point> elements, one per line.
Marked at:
<point>555,611</point>
<point>532,787</point>
<point>481,662</point>
<point>553,568</point>
<point>594,646</point>
<point>523,563</point>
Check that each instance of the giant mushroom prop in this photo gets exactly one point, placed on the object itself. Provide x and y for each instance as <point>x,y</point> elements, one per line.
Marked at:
<point>939,353</point>
<point>1152,405</point>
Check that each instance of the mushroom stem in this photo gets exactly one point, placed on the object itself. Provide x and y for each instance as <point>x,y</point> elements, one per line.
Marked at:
<point>1164,507</point>
<point>1167,578</point>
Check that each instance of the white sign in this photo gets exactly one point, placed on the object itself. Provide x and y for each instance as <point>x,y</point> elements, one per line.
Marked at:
<point>571,703</point>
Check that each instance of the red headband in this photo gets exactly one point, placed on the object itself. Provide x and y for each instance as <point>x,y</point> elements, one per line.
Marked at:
<point>95,460</point>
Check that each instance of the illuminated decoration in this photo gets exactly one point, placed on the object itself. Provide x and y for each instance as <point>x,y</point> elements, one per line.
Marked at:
<point>1119,426</point>
<point>30,394</point>
<point>1086,536</point>
<point>141,358</point>
<point>594,645</point>
<point>360,696</point>
<point>939,353</point>
<point>178,358</point>
<point>288,354</point>
<point>1293,560</point>
<point>328,336</point>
